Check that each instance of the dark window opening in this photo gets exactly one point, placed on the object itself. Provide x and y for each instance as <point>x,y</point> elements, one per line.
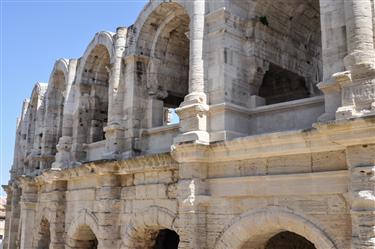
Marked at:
<point>167,239</point>
<point>288,240</point>
<point>280,85</point>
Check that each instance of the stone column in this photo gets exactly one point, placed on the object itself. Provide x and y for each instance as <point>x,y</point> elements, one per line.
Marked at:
<point>192,211</point>
<point>28,210</point>
<point>57,204</point>
<point>192,195</point>
<point>361,166</point>
<point>133,104</point>
<point>358,84</point>
<point>107,212</point>
<point>114,132</point>
<point>193,111</point>
<point>14,217</point>
<point>359,28</point>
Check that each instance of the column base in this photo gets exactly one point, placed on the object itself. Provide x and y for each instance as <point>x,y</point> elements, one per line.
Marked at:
<point>347,112</point>
<point>193,120</point>
<point>198,137</point>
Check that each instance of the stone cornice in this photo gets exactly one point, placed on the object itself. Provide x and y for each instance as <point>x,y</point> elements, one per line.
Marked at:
<point>121,167</point>
<point>336,135</point>
<point>333,136</point>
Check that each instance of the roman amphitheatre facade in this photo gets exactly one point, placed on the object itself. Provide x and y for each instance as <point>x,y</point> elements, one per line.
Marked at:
<point>274,147</point>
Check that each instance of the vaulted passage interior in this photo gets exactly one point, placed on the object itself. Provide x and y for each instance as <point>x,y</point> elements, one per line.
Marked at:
<point>156,239</point>
<point>166,239</point>
<point>282,240</point>
<point>288,42</point>
<point>288,240</point>
<point>84,238</point>
<point>280,85</point>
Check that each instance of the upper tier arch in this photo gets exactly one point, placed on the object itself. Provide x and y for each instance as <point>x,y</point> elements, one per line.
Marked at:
<point>151,17</point>
<point>103,38</point>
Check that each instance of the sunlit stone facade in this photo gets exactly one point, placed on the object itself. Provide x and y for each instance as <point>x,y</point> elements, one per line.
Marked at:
<point>274,147</point>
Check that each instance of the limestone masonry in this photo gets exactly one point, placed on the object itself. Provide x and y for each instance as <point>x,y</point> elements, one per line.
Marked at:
<point>274,147</point>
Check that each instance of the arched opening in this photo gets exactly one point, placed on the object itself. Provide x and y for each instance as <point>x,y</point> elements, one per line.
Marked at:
<point>168,70</point>
<point>34,128</point>
<point>260,232</point>
<point>84,238</point>
<point>280,85</point>
<point>288,45</point>
<point>44,235</point>
<point>31,120</point>
<point>54,116</point>
<point>281,240</point>
<point>288,240</point>
<point>166,239</point>
<point>93,113</point>
<point>153,238</point>
<point>31,117</point>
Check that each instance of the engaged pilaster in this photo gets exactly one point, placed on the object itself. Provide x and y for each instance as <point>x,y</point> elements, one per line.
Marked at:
<point>193,111</point>
<point>28,210</point>
<point>63,155</point>
<point>114,132</point>
<point>14,221</point>
<point>361,163</point>
<point>192,194</point>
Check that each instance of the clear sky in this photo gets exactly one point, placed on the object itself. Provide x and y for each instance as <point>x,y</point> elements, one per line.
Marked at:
<point>36,33</point>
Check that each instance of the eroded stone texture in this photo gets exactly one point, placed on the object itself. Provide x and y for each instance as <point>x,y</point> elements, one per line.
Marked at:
<point>274,146</point>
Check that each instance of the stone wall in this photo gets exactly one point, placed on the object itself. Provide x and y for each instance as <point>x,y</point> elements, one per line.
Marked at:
<point>274,140</point>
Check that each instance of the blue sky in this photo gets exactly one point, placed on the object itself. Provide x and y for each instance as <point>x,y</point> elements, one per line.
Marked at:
<point>36,33</point>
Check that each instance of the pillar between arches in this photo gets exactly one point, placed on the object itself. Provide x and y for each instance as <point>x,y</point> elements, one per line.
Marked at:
<point>114,131</point>
<point>28,210</point>
<point>362,195</point>
<point>194,110</point>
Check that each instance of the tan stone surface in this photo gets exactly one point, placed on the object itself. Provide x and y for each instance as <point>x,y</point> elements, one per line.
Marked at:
<point>274,148</point>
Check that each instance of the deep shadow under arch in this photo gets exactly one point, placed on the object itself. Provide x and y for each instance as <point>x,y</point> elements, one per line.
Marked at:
<point>289,240</point>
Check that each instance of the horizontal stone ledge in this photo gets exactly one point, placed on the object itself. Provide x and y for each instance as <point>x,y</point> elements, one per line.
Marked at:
<point>324,183</point>
<point>161,129</point>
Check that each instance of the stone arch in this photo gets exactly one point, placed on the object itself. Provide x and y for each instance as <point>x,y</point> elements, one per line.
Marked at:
<point>61,65</point>
<point>144,226</point>
<point>103,38</point>
<point>34,126</point>
<point>92,88</point>
<point>141,21</point>
<point>55,101</point>
<point>258,226</point>
<point>83,231</point>
<point>288,36</point>
<point>86,218</point>
<point>163,37</point>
